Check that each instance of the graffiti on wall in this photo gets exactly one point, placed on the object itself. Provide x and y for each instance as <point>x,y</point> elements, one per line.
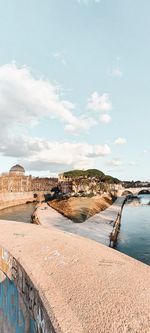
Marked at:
<point>14,317</point>
<point>20,303</point>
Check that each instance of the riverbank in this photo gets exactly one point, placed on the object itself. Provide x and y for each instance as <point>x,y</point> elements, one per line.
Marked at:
<point>98,227</point>
<point>78,209</point>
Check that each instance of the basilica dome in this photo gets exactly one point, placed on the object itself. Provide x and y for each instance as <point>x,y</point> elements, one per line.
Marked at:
<point>17,170</point>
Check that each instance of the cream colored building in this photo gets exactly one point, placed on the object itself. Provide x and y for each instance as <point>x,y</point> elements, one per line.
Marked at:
<point>16,181</point>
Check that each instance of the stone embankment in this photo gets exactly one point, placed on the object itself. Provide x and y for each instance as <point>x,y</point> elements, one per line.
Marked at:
<point>73,284</point>
<point>10,199</point>
<point>115,231</point>
<point>98,227</point>
<point>78,209</point>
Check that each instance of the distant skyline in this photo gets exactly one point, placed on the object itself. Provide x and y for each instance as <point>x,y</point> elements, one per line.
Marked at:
<point>74,86</point>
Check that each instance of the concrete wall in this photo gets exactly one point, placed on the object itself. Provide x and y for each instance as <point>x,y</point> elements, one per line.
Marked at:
<point>14,316</point>
<point>76,284</point>
<point>22,310</point>
<point>9,199</point>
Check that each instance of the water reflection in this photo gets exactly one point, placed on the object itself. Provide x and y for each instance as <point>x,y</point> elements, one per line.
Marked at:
<point>134,236</point>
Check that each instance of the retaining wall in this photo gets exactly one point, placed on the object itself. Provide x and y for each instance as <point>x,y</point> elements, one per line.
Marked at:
<point>98,227</point>
<point>14,316</point>
<point>20,299</point>
<point>9,199</point>
<point>75,285</point>
<point>117,224</point>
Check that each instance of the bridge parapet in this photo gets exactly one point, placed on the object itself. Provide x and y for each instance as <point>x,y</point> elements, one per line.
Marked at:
<point>26,301</point>
<point>77,281</point>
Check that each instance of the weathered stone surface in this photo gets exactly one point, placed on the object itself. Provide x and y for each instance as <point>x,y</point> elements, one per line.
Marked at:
<point>84,286</point>
<point>9,199</point>
<point>98,227</point>
<point>33,308</point>
<point>14,315</point>
<point>78,209</point>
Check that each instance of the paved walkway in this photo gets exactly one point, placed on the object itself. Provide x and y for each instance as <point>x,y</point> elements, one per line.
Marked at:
<point>97,227</point>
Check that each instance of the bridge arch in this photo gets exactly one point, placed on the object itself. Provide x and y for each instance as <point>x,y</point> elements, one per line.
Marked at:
<point>144,191</point>
<point>126,192</point>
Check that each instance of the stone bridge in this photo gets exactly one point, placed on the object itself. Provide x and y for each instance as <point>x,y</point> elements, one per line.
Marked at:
<point>122,191</point>
<point>136,190</point>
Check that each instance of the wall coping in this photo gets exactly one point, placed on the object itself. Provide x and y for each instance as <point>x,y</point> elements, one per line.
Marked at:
<point>84,286</point>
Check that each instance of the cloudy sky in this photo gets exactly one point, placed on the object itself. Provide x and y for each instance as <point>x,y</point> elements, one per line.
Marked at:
<point>74,86</point>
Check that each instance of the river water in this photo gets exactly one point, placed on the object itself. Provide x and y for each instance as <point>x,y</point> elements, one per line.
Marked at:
<point>134,236</point>
<point>20,213</point>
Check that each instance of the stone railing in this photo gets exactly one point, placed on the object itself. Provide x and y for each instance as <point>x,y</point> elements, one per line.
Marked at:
<point>35,310</point>
<point>71,284</point>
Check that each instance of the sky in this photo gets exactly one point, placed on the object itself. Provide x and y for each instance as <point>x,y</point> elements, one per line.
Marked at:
<point>75,86</point>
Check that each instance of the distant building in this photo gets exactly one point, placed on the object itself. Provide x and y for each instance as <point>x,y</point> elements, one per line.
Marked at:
<point>61,177</point>
<point>17,170</point>
<point>17,181</point>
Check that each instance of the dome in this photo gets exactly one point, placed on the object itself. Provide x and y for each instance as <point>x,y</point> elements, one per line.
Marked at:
<point>17,169</point>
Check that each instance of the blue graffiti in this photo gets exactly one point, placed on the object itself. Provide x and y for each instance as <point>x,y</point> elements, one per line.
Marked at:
<point>14,311</point>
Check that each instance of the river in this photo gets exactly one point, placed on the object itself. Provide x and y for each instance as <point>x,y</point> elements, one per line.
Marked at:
<point>20,213</point>
<point>134,236</point>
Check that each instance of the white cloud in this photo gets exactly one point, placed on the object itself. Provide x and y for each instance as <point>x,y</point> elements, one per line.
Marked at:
<point>39,154</point>
<point>105,118</point>
<point>99,102</point>
<point>84,124</point>
<point>60,56</point>
<point>117,72</point>
<point>132,163</point>
<point>120,141</point>
<point>25,99</point>
<point>115,162</point>
<point>86,2</point>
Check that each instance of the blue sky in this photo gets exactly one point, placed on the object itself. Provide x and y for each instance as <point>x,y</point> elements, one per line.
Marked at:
<point>74,86</point>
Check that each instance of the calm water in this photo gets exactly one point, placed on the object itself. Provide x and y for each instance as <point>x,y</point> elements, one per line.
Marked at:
<point>134,237</point>
<point>21,213</point>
